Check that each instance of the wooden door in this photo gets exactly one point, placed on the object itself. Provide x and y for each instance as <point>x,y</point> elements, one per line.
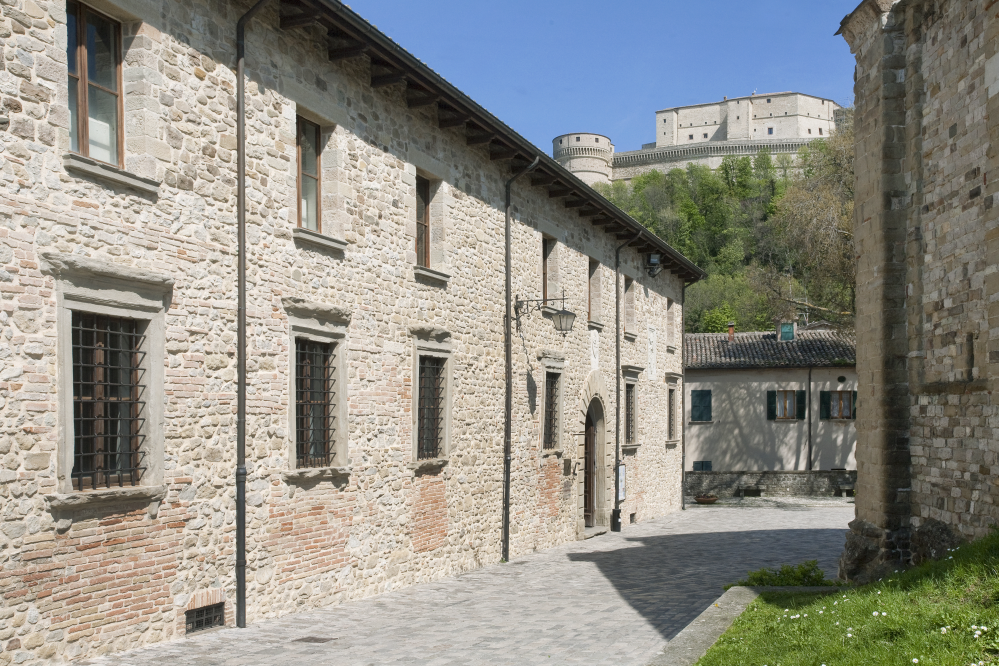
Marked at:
<point>590,473</point>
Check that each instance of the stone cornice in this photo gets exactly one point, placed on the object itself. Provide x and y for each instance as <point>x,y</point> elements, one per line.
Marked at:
<point>73,265</point>
<point>862,19</point>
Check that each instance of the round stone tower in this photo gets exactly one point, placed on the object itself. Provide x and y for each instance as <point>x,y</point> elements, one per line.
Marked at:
<point>588,156</point>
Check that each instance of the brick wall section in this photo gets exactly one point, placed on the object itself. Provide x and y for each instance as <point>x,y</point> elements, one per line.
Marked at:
<point>927,321</point>
<point>430,517</point>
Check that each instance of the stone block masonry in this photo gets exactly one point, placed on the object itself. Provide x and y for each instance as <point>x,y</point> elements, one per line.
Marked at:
<point>926,126</point>
<point>153,240</point>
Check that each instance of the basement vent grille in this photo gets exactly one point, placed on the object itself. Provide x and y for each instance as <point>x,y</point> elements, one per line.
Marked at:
<point>205,617</point>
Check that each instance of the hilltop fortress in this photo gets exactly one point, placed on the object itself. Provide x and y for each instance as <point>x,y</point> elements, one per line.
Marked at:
<point>703,134</point>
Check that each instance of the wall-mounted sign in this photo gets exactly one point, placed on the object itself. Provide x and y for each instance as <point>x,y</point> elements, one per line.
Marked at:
<point>620,483</point>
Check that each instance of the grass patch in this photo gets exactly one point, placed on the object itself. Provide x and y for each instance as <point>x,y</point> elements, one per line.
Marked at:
<point>806,574</point>
<point>931,613</point>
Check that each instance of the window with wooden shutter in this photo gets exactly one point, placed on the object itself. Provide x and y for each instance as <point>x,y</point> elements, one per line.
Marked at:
<point>837,405</point>
<point>700,405</point>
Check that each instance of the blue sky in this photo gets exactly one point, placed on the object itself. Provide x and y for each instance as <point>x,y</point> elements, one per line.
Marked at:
<point>549,67</point>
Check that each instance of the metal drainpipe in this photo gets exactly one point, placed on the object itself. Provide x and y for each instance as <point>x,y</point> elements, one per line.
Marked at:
<point>508,351</point>
<point>683,400</point>
<point>241,316</point>
<point>616,513</point>
<point>809,401</point>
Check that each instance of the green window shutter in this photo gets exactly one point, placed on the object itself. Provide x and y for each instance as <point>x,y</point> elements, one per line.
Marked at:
<point>801,402</point>
<point>825,405</point>
<point>854,404</point>
<point>700,405</point>
<point>771,405</point>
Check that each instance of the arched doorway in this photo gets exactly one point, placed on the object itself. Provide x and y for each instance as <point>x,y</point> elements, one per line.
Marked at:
<point>594,476</point>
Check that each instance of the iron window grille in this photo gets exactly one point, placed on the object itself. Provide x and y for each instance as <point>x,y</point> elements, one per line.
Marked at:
<point>108,406</point>
<point>93,52</point>
<point>315,391</point>
<point>629,413</point>
<point>205,617</point>
<point>309,168</point>
<point>422,222</point>
<point>552,380</point>
<point>672,413</point>
<point>430,419</point>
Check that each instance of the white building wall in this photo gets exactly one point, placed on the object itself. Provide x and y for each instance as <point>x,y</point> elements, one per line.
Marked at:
<point>740,438</point>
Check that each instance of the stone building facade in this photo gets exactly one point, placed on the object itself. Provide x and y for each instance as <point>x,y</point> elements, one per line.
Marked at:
<point>927,122</point>
<point>375,325</point>
<point>704,134</point>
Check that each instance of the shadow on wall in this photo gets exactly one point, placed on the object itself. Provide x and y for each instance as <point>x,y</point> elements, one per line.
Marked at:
<point>671,579</point>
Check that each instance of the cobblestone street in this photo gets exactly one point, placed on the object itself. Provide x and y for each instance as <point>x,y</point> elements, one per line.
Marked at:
<point>614,599</point>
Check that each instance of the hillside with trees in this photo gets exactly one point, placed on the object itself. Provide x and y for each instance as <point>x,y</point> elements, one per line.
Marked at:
<point>774,233</point>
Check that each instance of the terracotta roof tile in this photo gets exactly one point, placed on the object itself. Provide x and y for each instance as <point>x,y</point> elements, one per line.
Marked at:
<point>763,350</point>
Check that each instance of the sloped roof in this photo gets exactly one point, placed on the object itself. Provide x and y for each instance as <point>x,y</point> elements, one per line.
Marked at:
<point>809,349</point>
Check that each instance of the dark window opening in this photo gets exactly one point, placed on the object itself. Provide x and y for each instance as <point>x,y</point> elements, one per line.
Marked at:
<point>315,391</point>
<point>547,247</point>
<point>691,137</point>
<point>629,413</point>
<point>787,332</point>
<point>552,380</point>
<point>430,417</point>
<point>108,401</point>
<point>700,405</point>
<point>93,51</point>
<point>768,100</point>
<point>205,617</point>
<point>820,131</point>
<point>702,465</point>
<point>672,414</point>
<point>309,197</point>
<point>705,135</point>
<point>422,222</point>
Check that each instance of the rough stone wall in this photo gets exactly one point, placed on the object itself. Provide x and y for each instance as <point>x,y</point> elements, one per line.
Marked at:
<point>84,581</point>
<point>926,123</point>
<point>819,483</point>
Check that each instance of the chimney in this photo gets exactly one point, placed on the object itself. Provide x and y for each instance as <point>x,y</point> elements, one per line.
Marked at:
<point>731,331</point>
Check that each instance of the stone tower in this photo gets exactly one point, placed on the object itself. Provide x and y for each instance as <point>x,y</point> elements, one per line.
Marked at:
<point>589,157</point>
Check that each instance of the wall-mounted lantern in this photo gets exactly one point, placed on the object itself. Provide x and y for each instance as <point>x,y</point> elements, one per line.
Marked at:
<point>563,319</point>
<point>654,264</point>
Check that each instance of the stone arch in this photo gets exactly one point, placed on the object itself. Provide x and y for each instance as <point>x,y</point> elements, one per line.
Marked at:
<point>593,401</point>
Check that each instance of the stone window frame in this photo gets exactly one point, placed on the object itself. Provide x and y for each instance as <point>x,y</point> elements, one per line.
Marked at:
<point>553,362</point>
<point>551,275</point>
<point>137,167</point>
<point>421,165</point>
<point>302,125</point>
<point>629,303</point>
<point>329,325</point>
<point>670,326</point>
<point>436,342</point>
<point>594,295</point>
<point>94,286</point>
<point>631,374</point>
<point>333,216</point>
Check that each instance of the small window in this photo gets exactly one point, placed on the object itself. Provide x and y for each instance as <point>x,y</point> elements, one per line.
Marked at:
<point>768,100</point>
<point>551,434</point>
<point>820,131</point>
<point>560,142</point>
<point>837,405</point>
<point>430,419</point>
<point>205,617</point>
<point>308,174</point>
<point>630,323</point>
<point>702,465</point>
<point>700,406</point>
<point>786,405</point>
<point>809,131</point>
<point>691,137</point>
<point>593,296</point>
<point>770,130</point>
<point>109,391</point>
<point>787,332</point>
<point>737,117</point>
<point>705,135</point>
<point>577,138</point>
<point>315,425</point>
<point>547,267</point>
<point>598,140</point>
<point>422,222</point>
<point>629,413</point>
<point>671,416</point>
<point>93,51</point>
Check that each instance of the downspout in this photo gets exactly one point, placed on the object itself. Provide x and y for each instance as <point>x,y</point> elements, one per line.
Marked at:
<point>808,400</point>
<point>508,352</point>
<point>683,400</point>
<point>616,513</point>
<point>241,316</point>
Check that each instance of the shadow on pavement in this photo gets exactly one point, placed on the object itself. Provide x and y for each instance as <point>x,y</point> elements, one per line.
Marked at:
<point>671,579</point>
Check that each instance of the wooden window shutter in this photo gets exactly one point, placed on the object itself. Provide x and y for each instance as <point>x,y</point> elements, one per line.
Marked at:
<point>771,405</point>
<point>854,405</point>
<point>801,400</point>
<point>825,405</point>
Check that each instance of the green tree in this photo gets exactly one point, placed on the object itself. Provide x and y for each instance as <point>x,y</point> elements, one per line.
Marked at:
<point>716,320</point>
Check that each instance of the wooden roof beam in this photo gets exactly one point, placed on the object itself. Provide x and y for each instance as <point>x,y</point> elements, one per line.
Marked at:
<point>344,52</point>
<point>453,121</point>
<point>576,203</point>
<point>420,99</point>
<point>299,20</point>
<point>503,153</point>
<point>543,179</point>
<point>560,192</point>
<point>590,212</point>
<point>479,139</point>
<point>387,79</point>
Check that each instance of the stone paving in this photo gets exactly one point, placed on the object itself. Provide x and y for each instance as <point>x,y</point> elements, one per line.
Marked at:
<point>614,599</point>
